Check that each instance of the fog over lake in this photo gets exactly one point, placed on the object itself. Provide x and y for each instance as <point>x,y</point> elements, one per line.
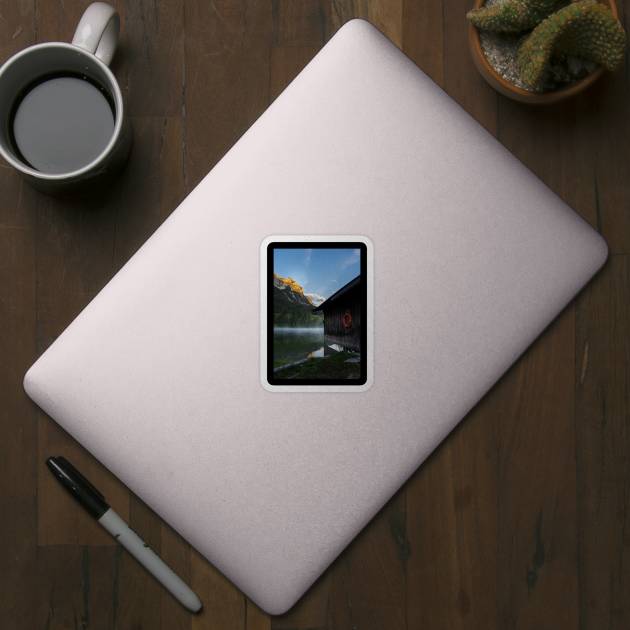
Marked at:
<point>294,344</point>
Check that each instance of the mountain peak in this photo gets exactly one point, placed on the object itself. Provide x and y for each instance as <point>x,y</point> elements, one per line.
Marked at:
<point>293,285</point>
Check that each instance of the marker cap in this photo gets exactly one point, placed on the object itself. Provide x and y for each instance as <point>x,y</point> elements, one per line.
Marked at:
<point>78,486</point>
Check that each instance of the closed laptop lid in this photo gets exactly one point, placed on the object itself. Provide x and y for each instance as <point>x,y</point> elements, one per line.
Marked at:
<point>464,256</point>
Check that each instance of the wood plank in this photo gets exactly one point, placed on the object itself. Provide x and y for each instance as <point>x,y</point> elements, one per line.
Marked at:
<point>18,422</point>
<point>386,15</point>
<point>76,587</point>
<point>171,159</point>
<point>603,469</point>
<point>461,78</point>
<point>312,611</point>
<point>154,57</point>
<point>575,147</point>
<point>255,618</point>
<point>57,23</point>
<point>537,537</point>
<point>18,416</point>
<point>608,127</point>
<point>226,78</point>
<point>452,527</point>
<point>224,606</point>
<point>285,64</point>
<point>300,23</point>
<point>423,36</point>
<point>369,577</point>
<point>17,28</point>
<point>152,185</point>
<point>558,147</point>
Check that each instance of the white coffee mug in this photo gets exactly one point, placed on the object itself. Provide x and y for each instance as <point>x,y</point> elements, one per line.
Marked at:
<point>85,60</point>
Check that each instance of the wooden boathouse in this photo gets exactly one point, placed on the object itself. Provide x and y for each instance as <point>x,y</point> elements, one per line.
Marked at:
<point>342,315</point>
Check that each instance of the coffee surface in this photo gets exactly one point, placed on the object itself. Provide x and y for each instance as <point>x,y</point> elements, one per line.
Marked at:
<point>62,124</point>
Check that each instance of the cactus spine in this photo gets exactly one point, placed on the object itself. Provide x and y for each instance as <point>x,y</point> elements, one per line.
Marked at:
<point>583,29</point>
<point>513,16</point>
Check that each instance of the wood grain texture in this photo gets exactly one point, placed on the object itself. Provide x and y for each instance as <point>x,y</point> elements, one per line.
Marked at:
<point>602,381</point>
<point>226,78</point>
<point>313,610</point>
<point>76,587</point>
<point>154,57</point>
<point>224,606</point>
<point>301,23</point>
<point>151,187</point>
<point>369,577</point>
<point>18,416</point>
<point>452,516</point>
<point>386,15</point>
<point>609,134</point>
<point>422,36</point>
<point>17,28</point>
<point>519,519</point>
<point>537,510</point>
<point>574,150</point>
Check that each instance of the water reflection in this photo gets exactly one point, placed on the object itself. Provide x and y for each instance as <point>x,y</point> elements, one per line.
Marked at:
<point>295,344</point>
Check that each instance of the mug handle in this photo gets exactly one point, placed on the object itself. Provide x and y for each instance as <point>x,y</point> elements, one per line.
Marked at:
<point>98,30</point>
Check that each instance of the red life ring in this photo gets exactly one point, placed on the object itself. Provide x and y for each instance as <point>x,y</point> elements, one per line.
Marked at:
<point>349,318</point>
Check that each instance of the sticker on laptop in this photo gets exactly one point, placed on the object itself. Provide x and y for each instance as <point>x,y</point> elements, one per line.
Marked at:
<point>317,313</point>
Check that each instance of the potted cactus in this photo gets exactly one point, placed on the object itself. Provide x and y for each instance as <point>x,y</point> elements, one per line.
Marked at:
<point>558,49</point>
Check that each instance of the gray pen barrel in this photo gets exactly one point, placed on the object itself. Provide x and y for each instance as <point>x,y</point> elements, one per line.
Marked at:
<point>149,559</point>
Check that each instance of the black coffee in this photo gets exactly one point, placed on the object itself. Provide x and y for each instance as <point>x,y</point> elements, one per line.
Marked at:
<point>61,123</point>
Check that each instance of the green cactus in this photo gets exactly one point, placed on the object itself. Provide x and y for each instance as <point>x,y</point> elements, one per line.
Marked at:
<point>584,29</point>
<point>513,16</point>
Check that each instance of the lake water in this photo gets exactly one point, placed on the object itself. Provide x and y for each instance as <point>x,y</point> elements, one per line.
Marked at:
<point>295,344</point>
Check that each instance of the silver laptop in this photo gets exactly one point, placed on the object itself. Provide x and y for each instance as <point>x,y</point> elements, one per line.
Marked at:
<point>317,315</point>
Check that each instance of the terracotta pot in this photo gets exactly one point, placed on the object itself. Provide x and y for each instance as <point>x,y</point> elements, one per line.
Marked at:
<point>518,94</point>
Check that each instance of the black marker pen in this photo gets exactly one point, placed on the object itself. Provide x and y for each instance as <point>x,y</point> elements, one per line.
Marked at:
<point>94,502</point>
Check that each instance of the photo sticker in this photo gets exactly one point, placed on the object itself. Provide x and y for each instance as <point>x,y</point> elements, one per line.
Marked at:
<point>316,303</point>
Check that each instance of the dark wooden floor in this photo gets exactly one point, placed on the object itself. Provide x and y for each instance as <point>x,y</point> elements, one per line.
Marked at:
<point>518,520</point>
